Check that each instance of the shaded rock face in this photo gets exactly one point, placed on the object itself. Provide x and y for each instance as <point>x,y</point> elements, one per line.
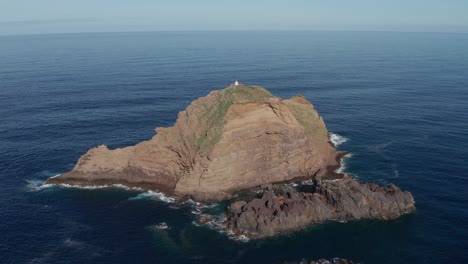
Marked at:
<point>284,209</point>
<point>233,139</point>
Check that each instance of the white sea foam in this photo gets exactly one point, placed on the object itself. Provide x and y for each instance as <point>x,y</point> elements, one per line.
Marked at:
<point>291,184</point>
<point>333,180</point>
<point>153,195</point>
<point>337,139</point>
<point>342,167</point>
<point>37,185</point>
<point>94,187</point>
<point>308,182</point>
<point>85,187</point>
<point>197,207</point>
<point>218,224</point>
<point>211,205</point>
<point>197,212</point>
<point>56,175</point>
<point>243,238</point>
<point>195,223</point>
<point>160,226</point>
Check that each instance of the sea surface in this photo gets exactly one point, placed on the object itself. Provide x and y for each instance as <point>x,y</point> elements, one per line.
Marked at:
<point>397,101</point>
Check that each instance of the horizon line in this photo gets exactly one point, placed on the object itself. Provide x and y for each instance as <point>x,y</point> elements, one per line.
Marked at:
<point>230,30</point>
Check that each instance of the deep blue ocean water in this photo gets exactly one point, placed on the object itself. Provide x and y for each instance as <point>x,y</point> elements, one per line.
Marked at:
<point>400,98</point>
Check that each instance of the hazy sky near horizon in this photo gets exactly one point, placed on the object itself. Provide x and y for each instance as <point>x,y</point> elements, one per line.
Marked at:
<point>66,16</point>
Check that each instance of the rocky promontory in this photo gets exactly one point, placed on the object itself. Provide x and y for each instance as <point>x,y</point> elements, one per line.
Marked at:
<point>283,209</point>
<point>232,139</point>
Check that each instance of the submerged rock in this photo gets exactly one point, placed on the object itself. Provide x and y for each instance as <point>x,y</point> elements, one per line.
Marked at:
<point>233,139</point>
<point>205,218</point>
<point>284,209</point>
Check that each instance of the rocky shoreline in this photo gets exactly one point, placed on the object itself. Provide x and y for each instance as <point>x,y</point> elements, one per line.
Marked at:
<point>284,209</point>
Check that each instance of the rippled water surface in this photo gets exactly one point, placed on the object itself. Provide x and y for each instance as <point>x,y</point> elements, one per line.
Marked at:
<point>399,98</point>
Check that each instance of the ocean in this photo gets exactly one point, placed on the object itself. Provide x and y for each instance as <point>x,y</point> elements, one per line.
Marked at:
<point>397,102</point>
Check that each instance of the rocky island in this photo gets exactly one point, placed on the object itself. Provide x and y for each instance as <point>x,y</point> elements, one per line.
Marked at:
<point>236,139</point>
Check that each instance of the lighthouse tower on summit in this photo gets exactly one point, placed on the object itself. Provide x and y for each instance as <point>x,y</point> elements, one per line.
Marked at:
<point>236,83</point>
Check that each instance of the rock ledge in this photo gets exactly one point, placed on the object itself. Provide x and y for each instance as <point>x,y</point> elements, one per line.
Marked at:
<point>282,209</point>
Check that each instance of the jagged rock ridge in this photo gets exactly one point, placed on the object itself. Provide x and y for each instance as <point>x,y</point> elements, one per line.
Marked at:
<point>284,209</point>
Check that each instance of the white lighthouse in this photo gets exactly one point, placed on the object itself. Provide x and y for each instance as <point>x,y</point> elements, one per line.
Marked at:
<point>236,83</point>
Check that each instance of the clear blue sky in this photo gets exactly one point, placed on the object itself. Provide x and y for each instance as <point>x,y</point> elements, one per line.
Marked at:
<point>66,16</point>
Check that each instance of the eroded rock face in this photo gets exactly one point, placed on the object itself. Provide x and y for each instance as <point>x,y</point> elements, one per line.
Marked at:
<point>284,209</point>
<point>232,139</point>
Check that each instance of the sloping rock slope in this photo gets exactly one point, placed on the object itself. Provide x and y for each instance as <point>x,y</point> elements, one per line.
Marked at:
<point>235,138</point>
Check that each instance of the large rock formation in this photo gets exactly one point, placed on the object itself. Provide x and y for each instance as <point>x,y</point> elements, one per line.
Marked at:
<point>235,138</point>
<point>284,209</point>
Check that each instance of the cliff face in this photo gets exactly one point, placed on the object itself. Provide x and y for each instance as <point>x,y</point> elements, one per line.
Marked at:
<point>233,139</point>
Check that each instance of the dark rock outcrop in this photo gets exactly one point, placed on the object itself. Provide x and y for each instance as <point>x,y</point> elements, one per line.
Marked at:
<point>284,209</point>
<point>323,261</point>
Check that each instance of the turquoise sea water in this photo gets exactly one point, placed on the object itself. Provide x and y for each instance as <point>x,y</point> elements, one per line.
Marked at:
<point>399,98</point>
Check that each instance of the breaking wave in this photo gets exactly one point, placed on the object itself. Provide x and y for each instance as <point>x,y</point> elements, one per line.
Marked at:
<point>153,195</point>
<point>342,168</point>
<point>94,187</point>
<point>218,224</point>
<point>197,208</point>
<point>37,185</point>
<point>337,139</point>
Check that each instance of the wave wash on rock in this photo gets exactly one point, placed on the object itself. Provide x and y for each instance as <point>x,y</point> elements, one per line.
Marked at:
<point>233,139</point>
